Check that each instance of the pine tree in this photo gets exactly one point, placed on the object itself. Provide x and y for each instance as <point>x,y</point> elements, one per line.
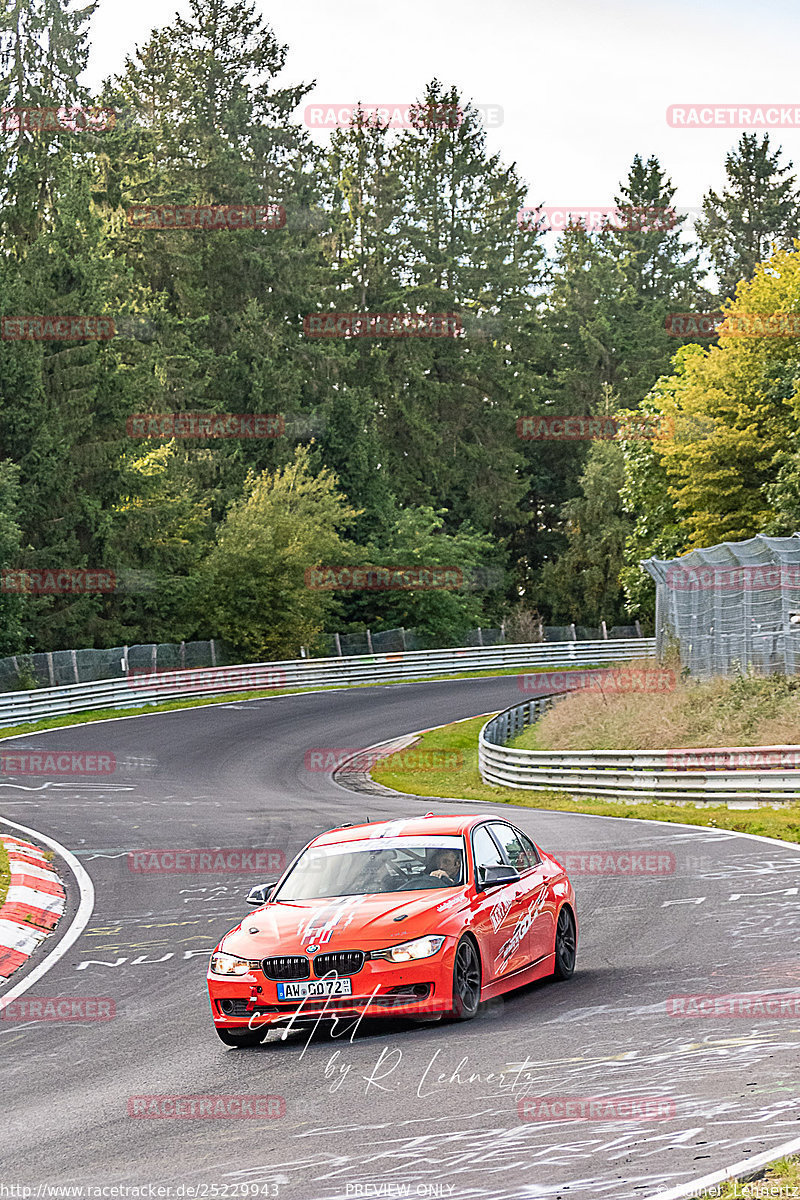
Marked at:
<point>759,208</point>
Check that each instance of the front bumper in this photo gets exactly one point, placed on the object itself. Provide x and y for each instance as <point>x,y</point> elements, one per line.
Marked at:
<point>380,989</point>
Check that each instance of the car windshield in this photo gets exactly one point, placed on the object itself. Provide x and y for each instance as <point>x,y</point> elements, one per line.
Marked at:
<point>378,865</point>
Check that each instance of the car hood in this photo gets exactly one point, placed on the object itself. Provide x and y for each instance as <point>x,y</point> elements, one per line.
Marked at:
<point>347,923</point>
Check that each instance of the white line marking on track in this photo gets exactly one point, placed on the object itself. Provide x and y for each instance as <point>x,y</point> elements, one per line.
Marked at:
<point>685,1190</point>
<point>79,921</point>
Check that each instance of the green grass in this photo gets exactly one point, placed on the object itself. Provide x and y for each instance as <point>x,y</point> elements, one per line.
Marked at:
<point>784,1174</point>
<point>5,872</point>
<point>466,783</point>
<point>105,714</point>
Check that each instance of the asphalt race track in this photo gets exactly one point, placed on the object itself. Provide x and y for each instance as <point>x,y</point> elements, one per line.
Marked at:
<point>393,1103</point>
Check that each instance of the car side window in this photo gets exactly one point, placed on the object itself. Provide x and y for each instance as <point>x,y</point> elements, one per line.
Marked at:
<point>519,850</point>
<point>485,849</point>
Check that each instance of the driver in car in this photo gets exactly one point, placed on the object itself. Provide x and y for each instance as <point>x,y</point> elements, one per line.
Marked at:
<point>446,866</point>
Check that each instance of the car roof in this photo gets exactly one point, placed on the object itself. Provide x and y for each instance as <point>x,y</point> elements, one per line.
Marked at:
<point>428,826</point>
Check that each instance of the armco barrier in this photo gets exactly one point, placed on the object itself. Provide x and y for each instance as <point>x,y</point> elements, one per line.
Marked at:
<point>683,776</point>
<point>19,707</point>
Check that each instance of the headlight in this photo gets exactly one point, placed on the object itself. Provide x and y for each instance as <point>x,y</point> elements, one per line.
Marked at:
<point>229,964</point>
<point>423,947</point>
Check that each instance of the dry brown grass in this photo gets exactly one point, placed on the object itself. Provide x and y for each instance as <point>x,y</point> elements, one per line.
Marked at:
<point>739,711</point>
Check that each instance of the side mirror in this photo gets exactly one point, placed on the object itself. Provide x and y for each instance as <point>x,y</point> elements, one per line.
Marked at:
<point>260,894</point>
<point>496,876</point>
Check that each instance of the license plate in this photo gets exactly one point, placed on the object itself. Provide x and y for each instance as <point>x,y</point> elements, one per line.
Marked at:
<point>315,987</point>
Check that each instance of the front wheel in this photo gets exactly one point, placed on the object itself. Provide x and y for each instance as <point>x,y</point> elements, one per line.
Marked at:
<point>245,1038</point>
<point>566,947</point>
<point>466,980</point>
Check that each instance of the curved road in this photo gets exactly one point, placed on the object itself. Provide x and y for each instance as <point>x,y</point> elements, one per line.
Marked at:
<point>394,1109</point>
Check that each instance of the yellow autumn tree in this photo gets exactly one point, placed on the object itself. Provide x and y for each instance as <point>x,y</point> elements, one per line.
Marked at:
<point>732,411</point>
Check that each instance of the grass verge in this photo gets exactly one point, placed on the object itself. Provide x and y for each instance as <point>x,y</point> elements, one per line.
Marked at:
<point>743,710</point>
<point>5,872</point>
<point>781,1178</point>
<point>463,781</point>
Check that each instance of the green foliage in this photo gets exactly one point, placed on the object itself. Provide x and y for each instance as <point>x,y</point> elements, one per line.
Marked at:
<point>256,593</point>
<point>583,584</point>
<point>406,447</point>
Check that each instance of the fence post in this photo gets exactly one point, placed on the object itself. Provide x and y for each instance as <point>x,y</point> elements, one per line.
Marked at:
<point>50,672</point>
<point>183,657</point>
<point>480,636</point>
<point>369,642</point>
<point>574,634</point>
<point>638,629</point>
<point>213,654</point>
<point>153,657</point>
<point>604,631</point>
<point>338,643</point>
<point>124,663</point>
<point>503,632</point>
<point>75,665</point>
<point>403,636</point>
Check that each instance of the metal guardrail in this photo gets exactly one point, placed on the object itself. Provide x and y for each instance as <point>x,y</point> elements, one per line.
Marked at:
<point>151,687</point>
<point>669,775</point>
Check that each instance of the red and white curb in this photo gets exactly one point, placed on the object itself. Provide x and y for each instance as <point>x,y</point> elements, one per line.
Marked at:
<point>33,905</point>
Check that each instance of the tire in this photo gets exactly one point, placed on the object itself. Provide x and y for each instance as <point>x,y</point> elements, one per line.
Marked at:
<point>466,981</point>
<point>244,1038</point>
<point>565,945</point>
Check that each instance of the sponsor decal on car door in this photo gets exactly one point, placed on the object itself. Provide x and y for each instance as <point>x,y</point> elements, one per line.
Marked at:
<point>532,935</point>
<point>500,911</point>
